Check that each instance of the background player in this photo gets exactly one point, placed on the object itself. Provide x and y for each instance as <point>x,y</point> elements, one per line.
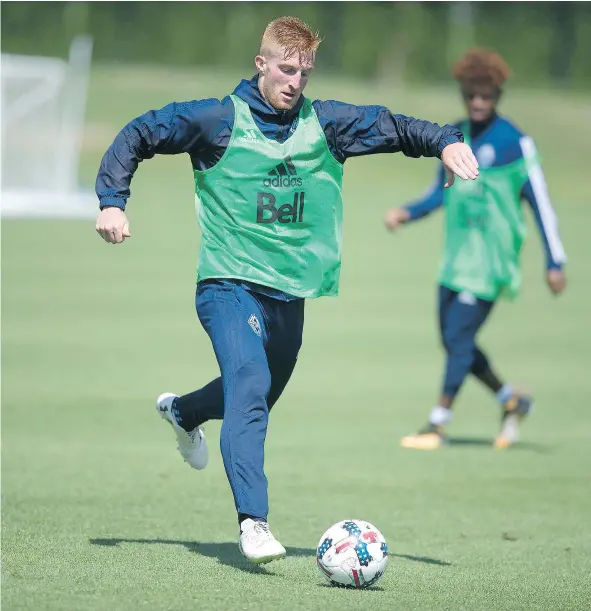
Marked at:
<point>484,232</point>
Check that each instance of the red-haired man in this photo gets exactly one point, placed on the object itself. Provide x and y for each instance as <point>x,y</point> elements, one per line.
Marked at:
<point>268,167</point>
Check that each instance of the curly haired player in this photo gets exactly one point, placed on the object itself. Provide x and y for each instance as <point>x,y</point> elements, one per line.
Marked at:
<point>484,233</point>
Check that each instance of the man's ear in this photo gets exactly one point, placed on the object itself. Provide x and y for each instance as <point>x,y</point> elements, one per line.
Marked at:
<point>260,63</point>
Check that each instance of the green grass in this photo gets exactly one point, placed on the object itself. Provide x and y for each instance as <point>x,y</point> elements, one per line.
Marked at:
<point>100,512</point>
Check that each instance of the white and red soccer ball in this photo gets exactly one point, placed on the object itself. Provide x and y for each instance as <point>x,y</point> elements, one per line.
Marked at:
<point>352,554</point>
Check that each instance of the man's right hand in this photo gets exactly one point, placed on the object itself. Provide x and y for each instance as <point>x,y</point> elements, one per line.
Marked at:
<point>112,225</point>
<point>396,217</point>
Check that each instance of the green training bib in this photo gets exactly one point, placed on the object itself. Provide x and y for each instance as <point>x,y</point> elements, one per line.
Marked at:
<point>484,232</point>
<point>271,213</point>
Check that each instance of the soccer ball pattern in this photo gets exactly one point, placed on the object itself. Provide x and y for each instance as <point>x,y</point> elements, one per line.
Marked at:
<point>352,554</point>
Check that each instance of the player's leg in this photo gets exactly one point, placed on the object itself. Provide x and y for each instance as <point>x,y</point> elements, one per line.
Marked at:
<point>284,322</point>
<point>460,317</point>
<point>225,311</point>
<point>465,317</point>
<point>429,437</point>
<point>236,322</point>
<point>187,413</point>
<point>197,407</point>
<point>515,406</point>
<point>284,344</point>
<point>245,380</point>
<point>483,372</point>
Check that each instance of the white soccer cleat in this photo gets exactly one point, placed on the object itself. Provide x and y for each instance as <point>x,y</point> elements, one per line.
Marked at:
<point>258,544</point>
<point>192,446</point>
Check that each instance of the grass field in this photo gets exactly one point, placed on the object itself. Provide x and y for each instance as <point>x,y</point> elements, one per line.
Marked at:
<point>100,512</point>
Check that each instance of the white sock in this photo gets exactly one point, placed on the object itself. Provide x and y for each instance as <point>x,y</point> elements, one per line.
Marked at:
<point>505,393</point>
<point>440,416</point>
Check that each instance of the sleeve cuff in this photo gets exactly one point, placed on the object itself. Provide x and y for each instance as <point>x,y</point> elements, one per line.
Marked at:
<point>412,215</point>
<point>112,202</point>
<point>451,139</point>
<point>554,265</point>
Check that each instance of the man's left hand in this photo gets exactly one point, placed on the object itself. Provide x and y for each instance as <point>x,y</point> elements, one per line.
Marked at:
<point>556,280</point>
<point>458,160</point>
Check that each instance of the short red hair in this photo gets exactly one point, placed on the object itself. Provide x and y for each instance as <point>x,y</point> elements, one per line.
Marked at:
<point>481,67</point>
<point>293,35</point>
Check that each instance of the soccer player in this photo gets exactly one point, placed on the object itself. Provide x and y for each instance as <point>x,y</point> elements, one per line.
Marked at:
<point>268,167</point>
<point>484,233</point>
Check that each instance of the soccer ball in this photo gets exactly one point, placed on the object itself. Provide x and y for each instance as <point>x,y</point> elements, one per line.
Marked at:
<point>352,554</point>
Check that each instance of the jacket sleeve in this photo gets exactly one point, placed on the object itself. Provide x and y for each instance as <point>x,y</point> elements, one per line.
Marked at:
<point>430,201</point>
<point>535,192</point>
<point>352,131</point>
<point>176,128</point>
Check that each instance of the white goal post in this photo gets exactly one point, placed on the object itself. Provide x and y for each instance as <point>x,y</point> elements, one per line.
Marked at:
<point>43,107</point>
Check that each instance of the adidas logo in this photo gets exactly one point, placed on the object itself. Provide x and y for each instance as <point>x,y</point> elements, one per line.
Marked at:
<point>283,175</point>
<point>249,135</point>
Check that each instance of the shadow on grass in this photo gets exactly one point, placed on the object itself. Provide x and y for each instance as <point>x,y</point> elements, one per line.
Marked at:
<point>370,589</point>
<point>228,553</point>
<point>225,553</point>
<point>423,559</point>
<point>488,443</point>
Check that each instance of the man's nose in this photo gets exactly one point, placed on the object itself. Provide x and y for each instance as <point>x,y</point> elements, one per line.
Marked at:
<point>296,81</point>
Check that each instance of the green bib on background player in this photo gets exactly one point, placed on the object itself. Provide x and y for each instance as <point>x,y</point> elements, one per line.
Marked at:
<point>484,232</point>
<point>271,213</point>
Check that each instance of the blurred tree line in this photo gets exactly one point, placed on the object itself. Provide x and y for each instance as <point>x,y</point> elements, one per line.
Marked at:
<point>545,43</point>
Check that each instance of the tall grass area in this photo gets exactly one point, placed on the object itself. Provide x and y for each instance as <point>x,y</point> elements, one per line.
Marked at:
<point>98,509</point>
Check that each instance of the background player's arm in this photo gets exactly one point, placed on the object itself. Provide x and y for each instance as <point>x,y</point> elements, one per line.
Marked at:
<point>547,224</point>
<point>176,128</point>
<point>432,200</point>
<point>535,192</point>
<point>353,130</point>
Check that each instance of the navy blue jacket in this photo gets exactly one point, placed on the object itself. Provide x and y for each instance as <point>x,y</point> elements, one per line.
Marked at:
<point>498,144</point>
<point>202,129</point>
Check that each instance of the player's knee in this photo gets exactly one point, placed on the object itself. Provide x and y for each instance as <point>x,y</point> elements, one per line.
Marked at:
<point>449,338</point>
<point>457,345</point>
<point>450,342</point>
<point>249,387</point>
